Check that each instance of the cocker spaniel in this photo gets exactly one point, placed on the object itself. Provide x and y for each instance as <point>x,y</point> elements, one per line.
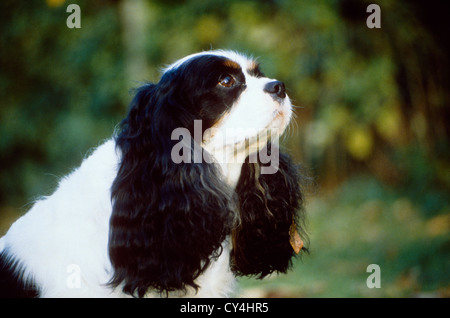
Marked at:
<point>189,193</point>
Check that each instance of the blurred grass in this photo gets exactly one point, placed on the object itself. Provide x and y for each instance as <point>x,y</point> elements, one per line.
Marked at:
<point>363,223</point>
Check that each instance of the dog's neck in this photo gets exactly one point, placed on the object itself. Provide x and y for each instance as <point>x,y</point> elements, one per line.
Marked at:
<point>230,159</point>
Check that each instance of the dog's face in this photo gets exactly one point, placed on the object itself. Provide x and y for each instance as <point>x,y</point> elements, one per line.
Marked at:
<point>236,102</point>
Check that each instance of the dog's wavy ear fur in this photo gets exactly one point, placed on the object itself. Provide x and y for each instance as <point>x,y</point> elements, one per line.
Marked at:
<point>168,220</point>
<point>269,206</point>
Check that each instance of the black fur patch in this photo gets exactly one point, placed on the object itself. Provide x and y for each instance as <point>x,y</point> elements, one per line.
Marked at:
<point>12,284</point>
<point>268,204</point>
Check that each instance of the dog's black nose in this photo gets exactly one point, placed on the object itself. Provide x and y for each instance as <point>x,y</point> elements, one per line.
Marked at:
<point>276,88</point>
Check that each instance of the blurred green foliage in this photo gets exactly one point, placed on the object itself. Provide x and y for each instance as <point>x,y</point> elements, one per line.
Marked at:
<point>371,102</point>
<point>348,232</point>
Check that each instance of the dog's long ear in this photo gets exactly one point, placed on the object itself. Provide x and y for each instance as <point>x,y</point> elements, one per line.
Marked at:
<point>169,219</point>
<point>271,219</point>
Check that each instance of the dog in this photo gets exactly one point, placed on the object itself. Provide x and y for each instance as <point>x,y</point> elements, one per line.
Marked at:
<point>191,192</point>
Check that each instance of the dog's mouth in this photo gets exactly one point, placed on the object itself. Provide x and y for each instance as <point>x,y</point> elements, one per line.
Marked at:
<point>280,119</point>
<point>250,140</point>
<point>270,133</point>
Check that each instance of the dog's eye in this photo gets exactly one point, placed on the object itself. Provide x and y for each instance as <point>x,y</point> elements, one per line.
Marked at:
<point>227,80</point>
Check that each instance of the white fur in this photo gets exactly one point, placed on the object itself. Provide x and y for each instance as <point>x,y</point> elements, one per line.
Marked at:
<point>62,242</point>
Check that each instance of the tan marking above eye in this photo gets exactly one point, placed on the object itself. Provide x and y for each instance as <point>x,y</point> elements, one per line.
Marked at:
<point>232,64</point>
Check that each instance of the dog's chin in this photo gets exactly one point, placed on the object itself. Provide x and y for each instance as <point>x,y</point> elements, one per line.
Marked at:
<point>241,141</point>
<point>275,128</point>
